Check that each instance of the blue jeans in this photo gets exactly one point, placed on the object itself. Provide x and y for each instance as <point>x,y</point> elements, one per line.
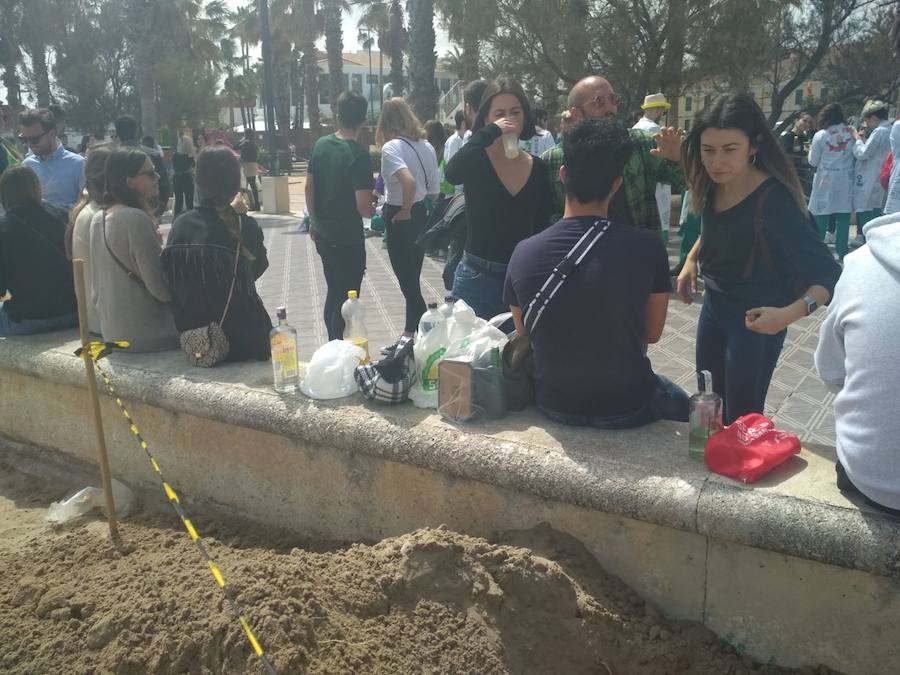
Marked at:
<point>741,361</point>
<point>668,402</point>
<point>34,326</point>
<point>480,283</point>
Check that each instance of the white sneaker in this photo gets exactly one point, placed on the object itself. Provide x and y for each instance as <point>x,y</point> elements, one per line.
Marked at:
<point>858,241</point>
<point>829,237</point>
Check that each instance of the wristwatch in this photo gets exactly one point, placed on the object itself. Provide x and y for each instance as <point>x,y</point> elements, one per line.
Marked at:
<point>811,305</point>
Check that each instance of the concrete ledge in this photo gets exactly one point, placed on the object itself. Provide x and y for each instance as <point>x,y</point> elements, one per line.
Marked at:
<point>643,474</point>
<point>787,569</point>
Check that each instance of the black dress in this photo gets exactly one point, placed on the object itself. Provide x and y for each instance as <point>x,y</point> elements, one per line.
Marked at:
<point>198,263</point>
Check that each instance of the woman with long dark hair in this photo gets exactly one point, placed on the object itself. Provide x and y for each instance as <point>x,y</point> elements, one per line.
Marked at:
<point>129,290</point>
<point>507,191</point>
<point>78,232</point>
<point>831,154</point>
<point>199,261</point>
<point>409,167</point>
<point>763,262</point>
<point>34,269</point>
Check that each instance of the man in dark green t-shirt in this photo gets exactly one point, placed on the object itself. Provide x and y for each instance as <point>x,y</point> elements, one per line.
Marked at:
<point>339,186</point>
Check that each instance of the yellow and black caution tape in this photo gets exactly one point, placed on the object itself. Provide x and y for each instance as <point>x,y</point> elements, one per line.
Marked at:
<point>97,351</point>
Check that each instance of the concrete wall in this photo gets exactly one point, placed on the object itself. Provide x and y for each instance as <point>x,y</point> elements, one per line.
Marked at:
<point>783,570</point>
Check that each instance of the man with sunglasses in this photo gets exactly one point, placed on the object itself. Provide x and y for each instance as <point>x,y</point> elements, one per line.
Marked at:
<point>656,159</point>
<point>61,172</point>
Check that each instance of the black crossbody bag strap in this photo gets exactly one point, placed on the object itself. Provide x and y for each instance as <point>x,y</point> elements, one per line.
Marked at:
<point>421,163</point>
<point>561,272</point>
<point>130,273</point>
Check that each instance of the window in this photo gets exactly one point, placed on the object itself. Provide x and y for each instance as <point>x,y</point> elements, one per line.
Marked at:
<point>324,89</point>
<point>356,83</point>
<point>707,101</point>
<point>688,103</point>
<point>687,124</point>
<point>445,84</point>
<point>798,97</point>
<point>824,95</point>
<point>346,84</point>
<point>372,79</point>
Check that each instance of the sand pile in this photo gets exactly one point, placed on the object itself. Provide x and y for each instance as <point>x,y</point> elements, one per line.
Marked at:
<point>432,601</point>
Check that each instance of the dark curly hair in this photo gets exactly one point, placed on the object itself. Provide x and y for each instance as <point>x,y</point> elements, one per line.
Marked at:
<point>505,86</point>
<point>595,152</point>
<point>830,115</point>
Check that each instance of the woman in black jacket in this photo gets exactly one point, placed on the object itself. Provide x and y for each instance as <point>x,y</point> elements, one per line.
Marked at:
<point>199,262</point>
<point>34,269</point>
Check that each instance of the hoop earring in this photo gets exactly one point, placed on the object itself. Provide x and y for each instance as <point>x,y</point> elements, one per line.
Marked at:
<point>753,159</point>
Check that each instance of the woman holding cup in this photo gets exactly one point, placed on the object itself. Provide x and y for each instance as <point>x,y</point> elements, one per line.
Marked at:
<point>507,192</point>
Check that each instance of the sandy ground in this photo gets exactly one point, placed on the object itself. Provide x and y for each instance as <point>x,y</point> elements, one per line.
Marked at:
<point>431,601</point>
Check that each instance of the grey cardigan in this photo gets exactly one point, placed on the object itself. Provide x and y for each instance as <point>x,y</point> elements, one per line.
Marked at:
<point>138,312</point>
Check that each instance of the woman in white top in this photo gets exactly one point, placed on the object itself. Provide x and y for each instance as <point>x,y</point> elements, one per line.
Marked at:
<point>410,171</point>
<point>129,290</point>
<point>868,195</point>
<point>78,232</point>
<point>831,154</point>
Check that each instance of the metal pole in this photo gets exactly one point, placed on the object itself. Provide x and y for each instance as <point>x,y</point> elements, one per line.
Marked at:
<point>371,101</point>
<point>80,293</point>
<point>266,39</point>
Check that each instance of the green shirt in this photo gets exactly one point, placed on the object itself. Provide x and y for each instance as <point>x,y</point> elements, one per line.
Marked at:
<point>641,174</point>
<point>339,168</point>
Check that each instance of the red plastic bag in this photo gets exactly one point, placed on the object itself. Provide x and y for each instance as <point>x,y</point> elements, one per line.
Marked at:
<point>886,169</point>
<point>749,448</point>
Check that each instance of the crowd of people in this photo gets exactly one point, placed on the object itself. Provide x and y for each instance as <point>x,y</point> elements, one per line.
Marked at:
<point>584,214</point>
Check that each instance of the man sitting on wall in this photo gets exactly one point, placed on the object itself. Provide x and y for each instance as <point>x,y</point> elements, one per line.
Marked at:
<point>589,332</point>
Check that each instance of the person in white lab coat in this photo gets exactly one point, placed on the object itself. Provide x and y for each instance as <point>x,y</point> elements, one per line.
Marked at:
<point>831,154</point>
<point>655,108</point>
<point>868,195</point>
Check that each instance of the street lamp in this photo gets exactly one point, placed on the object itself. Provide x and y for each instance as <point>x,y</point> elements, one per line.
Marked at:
<point>266,39</point>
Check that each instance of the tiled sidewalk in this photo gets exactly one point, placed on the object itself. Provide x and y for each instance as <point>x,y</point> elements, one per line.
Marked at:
<point>797,399</point>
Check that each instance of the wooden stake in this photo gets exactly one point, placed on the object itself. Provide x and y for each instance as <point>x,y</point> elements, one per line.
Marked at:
<point>80,293</point>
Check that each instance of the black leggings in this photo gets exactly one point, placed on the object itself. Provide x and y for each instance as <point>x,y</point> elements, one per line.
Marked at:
<point>251,181</point>
<point>406,258</point>
<point>344,267</point>
<point>183,184</point>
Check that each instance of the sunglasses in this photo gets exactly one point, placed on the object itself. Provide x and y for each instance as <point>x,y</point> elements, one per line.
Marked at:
<point>33,140</point>
<point>601,99</point>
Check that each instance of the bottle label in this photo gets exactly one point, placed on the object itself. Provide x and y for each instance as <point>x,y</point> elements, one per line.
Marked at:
<point>362,343</point>
<point>430,371</point>
<point>284,356</point>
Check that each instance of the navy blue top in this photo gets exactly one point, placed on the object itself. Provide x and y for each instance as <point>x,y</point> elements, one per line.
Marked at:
<point>588,346</point>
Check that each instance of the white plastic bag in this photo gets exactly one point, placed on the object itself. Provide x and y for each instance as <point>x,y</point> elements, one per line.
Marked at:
<point>330,372</point>
<point>429,350</point>
<point>475,347</point>
<point>87,499</point>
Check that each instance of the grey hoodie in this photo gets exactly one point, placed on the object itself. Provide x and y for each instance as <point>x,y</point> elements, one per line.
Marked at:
<point>858,358</point>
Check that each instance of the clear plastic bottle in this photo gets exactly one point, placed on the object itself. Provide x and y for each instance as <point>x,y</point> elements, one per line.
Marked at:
<point>354,313</point>
<point>447,307</point>
<point>285,364</point>
<point>430,319</point>
<point>706,415</point>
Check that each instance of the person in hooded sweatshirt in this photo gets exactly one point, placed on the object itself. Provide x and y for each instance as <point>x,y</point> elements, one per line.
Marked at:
<point>858,358</point>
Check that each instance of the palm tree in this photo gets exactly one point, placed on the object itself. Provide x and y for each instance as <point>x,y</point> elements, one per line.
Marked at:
<point>246,29</point>
<point>334,47</point>
<point>468,22</point>
<point>375,20</point>
<point>36,35</point>
<point>423,95</point>
<point>385,19</point>
<point>10,54</point>
<point>308,31</point>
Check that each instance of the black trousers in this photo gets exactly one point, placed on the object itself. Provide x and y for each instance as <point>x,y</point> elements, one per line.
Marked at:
<point>406,258</point>
<point>344,267</point>
<point>251,181</point>
<point>183,185</point>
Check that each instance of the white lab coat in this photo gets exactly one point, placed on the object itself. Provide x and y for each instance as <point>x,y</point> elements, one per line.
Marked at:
<point>831,154</point>
<point>663,190</point>
<point>870,155</point>
<point>892,205</point>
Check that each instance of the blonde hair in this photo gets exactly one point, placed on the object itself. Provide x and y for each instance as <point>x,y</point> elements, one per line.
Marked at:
<point>398,120</point>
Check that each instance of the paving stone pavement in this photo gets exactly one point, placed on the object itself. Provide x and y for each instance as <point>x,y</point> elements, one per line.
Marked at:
<point>797,400</point>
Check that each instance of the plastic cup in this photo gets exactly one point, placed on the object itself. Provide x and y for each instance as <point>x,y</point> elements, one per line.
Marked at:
<point>511,145</point>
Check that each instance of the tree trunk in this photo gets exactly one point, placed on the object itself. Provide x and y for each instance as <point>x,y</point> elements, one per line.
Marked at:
<point>38,54</point>
<point>673,57</point>
<point>334,47</point>
<point>423,94</point>
<point>13,90</point>
<point>395,40</point>
<point>146,87</point>
<point>311,89</point>
<point>281,81</point>
<point>471,55</point>
<point>578,42</point>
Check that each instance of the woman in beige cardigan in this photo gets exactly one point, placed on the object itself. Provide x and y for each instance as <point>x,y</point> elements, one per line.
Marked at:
<point>129,291</point>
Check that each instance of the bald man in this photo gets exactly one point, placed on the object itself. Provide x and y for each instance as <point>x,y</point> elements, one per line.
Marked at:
<point>652,162</point>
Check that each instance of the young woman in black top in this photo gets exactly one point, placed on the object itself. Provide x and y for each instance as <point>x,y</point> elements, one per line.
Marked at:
<point>759,254</point>
<point>198,261</point>
<point>34,268</point>
<point>508,197</point>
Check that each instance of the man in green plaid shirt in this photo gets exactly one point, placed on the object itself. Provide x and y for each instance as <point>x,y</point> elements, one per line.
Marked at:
<point>651,162</point>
